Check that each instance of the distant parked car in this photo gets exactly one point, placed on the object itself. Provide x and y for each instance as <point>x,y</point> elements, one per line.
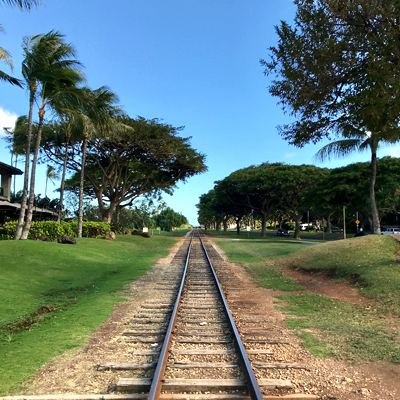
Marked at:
<point>391,231</point>
<point>335,229</point>
<point>282,232</point>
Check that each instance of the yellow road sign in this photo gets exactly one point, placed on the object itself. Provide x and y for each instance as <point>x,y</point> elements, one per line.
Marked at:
<point>357,222</point>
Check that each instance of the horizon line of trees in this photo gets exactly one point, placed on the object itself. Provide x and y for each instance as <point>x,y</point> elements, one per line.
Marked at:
<point>278,192</point>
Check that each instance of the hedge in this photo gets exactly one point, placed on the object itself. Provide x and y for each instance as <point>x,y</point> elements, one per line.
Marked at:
<point>54,230</point>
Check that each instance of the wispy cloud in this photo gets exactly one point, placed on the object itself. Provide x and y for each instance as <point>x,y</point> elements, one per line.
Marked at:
<point>290,155</point>
<point>7,120</point>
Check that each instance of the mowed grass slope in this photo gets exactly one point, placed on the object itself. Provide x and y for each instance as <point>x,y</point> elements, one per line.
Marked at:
<point>77,283</point>
<point>369,262</point>
<point>254,254</point>
<point>331,327</point>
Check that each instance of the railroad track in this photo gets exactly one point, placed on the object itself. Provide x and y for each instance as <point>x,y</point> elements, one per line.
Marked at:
<point>189,340</point>
<point>183,344</point>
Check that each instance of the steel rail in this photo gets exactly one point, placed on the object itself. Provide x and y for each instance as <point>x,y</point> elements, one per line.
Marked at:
<point>251,382</point>
<point>157,381</point>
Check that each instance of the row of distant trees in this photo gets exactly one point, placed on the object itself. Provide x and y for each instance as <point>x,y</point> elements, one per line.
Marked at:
<point>145,213</point>
<point>279,192</point>
<point>113,158</point>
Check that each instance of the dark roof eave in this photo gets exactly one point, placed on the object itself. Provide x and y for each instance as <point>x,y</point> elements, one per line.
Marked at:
<point>9,169</point>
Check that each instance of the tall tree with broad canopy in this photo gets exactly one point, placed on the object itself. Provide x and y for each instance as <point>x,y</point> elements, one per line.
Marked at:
<point>50,66</point>
<point>258,190</point>
<point>146,159</point>
<point>294,182</point>
<point>338,73</point>
<point>230,199</point>
<point>215,207</point>
<point>349,186</point>
<point>168,219</point>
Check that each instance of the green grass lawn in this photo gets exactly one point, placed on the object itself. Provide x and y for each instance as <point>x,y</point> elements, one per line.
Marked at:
<point>331,327</point>
<point>254,254</point>
<point>78,282</point>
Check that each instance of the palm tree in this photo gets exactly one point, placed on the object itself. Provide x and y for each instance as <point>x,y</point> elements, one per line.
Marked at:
<point>49,64</point>
<point>60,204</point>
<point>50,175</point>
<point>98,118</point>
<point>361,141</point>
<point>5,57</point>
<point>22,4</point>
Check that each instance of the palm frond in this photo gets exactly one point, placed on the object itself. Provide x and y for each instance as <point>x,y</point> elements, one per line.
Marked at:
<point>22,4</point>
<point>9,79</point>
<point>338,149</point>
<point>5,56</point>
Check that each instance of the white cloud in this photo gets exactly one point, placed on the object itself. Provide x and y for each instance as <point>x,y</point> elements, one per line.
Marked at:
<point>290,155</point>
<point>7,120</point>
<point>393,151</point>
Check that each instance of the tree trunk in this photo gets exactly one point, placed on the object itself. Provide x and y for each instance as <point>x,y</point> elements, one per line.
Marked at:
<point>225,222</point>
<point>374,210</point>
<point>263,225</point>
<point>16,164</point>
<point>117,214</point>
<point>80,211</point>
<point>238,226</point>
<point>28,220</point>
<point>107,213</point>
<point>329,226</point>
<point>21,217</point>
<point>297,219</point>
<point>60,205</point>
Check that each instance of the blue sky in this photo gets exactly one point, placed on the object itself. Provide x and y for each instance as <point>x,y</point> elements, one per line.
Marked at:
<point>191,63</point>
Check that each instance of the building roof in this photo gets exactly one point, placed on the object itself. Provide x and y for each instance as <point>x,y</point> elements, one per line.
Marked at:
<point>8,169</point>
<point>6,205</point>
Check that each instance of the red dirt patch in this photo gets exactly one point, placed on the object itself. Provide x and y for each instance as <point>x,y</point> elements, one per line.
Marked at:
<point>319,283</point>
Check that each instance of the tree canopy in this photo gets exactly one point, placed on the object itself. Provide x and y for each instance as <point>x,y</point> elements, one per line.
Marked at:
<point>146,159</point>
<point>168,219</point>
<point>337,69</point>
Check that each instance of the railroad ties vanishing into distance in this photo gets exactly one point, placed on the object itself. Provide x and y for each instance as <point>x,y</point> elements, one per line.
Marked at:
<point>187,344</point>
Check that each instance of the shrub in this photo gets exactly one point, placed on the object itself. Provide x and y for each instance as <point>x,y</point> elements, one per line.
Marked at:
<point>54,230</point>
<point>117,228</point>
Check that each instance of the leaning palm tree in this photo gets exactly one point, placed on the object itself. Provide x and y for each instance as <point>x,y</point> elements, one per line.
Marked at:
<point>49,65</point>
<point>360,141</point>
<point>5,57</point>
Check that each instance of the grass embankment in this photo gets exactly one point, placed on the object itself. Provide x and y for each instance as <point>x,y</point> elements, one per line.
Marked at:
<point>331,327</point>
<point>254,254</point>
<point>52,296</point>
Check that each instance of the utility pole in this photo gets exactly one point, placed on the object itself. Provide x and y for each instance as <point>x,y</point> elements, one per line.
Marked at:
<point>344,222</point>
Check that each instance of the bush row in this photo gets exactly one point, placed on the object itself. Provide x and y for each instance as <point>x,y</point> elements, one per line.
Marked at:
<point>54,230</point>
